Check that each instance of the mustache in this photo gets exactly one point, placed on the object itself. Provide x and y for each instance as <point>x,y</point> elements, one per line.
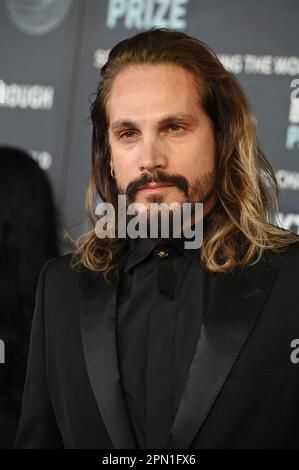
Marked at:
<point>158,177</point>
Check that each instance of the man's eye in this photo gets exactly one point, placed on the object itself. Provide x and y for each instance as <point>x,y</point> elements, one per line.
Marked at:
<point>127,134</point>
<point>174,127</point>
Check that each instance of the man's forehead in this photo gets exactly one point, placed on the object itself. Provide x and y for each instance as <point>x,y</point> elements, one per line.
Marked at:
<point>161,94</point>
<point>151,86</point>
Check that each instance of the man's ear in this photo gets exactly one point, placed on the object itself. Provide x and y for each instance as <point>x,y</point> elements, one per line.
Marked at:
<point>111,168</point>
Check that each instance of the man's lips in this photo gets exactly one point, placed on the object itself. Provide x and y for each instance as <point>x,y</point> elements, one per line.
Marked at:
<point>150,188</point>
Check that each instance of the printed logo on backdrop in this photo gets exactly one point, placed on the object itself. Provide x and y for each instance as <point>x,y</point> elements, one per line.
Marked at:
<point>255,64</point>
<point>271,65</point>
<point>288,180</point>
<point>100,57</point>
<point>37,17</point>
<point>144,14</point>
<point>36,97</point>
<point>289,221</point>
<point>292,140</point>
<point>43,158</point>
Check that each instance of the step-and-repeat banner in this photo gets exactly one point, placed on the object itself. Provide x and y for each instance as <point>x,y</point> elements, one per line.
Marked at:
<point>52,52</point>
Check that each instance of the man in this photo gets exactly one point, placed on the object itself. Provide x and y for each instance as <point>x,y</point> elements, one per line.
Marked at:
<point>146,343</point>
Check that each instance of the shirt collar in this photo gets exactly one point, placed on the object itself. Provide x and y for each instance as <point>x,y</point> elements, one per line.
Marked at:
<point>145,246</point>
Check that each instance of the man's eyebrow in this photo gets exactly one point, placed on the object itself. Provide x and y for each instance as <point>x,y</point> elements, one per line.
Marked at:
<point>164,120</point>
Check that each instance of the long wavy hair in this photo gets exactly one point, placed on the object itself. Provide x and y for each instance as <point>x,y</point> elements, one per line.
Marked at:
<point>242,225</point>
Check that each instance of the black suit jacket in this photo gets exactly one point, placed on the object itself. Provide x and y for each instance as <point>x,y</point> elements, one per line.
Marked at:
<point>242,390</point>
<point>9,419</point>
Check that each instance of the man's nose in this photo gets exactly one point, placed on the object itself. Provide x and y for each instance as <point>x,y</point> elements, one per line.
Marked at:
<point>151,156</point>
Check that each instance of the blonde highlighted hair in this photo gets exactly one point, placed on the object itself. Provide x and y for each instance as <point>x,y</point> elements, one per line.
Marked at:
<point>242,225</point>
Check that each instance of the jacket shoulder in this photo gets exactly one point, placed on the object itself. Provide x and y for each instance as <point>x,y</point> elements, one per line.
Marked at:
<point>288,256</point>
<point>61,271</point>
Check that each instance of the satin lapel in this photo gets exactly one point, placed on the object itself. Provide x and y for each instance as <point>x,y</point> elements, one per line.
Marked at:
<point>236,303</point>
<point>98,327</point>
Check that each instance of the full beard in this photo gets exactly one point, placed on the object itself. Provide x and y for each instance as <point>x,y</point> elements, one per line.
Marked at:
<point>200,190</point>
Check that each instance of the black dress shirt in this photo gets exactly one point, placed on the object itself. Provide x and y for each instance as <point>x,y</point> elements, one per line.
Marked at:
<point>162,297</point>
